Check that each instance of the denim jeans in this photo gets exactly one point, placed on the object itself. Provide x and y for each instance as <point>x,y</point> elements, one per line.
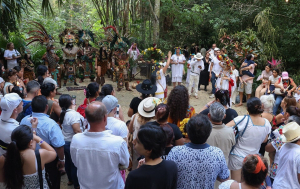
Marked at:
<point>71,170</point>
<point>278,99</point>
<point>213,82</point>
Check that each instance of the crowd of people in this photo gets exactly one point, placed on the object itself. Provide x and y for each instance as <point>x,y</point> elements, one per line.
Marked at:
<point>165,144</point>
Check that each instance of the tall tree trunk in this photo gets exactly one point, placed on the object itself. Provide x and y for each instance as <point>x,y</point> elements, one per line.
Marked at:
<point>126,19</point>
<point>156,21</point>
<point>107,13</point>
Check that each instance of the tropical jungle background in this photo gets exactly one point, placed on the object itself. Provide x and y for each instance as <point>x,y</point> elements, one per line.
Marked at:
<point>263,27</point>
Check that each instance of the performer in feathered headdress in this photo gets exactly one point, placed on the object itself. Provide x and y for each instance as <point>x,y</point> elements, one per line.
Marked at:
<point>86,68</point>
<point>40,35</point>
<point>69,55</point>
<point>120,59</point>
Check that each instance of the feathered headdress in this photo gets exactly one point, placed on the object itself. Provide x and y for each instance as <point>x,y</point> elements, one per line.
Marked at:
<point>85,35</point>
<point>113,37</point>
<point>40,35</point>
<point>68,36</point>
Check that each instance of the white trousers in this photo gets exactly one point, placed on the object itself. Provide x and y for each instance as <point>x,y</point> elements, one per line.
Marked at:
<point>194,80</point>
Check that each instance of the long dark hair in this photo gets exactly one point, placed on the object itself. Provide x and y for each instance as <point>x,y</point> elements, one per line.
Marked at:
<point>92,90</point>
<point>13,165</point>
<point>65,101</point>
<point>178,103</point>
<point>41,71</point>
<point>223,97</point>
<point>100,56</point>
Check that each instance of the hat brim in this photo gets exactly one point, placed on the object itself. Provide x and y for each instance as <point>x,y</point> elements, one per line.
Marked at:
<point>287,141</point>
<point>285,77</point>
<point>5,115</point>
<point>151,91</point>
<point>143,113</point>
<point>198,58</point>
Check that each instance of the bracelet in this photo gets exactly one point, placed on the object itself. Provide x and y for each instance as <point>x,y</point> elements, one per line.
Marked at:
<point>41,142</point>
<point>61,160</point>
<point>207,106</point>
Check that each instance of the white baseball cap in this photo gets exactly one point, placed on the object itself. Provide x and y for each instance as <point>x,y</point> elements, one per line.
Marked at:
<point>1,80</point>
<point>8,103</point>
<point>49,80</point>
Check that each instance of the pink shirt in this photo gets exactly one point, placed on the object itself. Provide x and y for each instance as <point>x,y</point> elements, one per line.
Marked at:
<point>246,76</point>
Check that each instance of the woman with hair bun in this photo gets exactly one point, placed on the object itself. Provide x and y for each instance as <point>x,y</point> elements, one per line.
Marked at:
<point>253,131</point>
<point>221,96</point>
<point>254,173</point>
<point>91,93</point>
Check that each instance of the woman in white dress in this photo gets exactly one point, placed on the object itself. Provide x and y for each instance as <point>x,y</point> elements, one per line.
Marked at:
<point>11,55</point>
<point>227,80</point>
<point>177,61</point>
<point>133,53</point>
<point>255,169</point>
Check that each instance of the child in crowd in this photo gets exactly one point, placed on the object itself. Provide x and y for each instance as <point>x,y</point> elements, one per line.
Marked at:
<point>235,72</point>
<point>297,94</point>
<point>246,63</point>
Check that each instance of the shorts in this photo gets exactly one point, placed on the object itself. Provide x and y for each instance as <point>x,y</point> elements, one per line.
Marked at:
<point>247,88</point>
<point>235,162</point>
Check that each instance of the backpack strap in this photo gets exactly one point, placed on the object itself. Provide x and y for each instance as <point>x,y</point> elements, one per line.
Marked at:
<point>38,159</point>
<point>26,107</point>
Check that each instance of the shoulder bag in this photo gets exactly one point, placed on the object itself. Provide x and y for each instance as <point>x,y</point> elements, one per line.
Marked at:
<point>238,133</point>
<point>38,159</point>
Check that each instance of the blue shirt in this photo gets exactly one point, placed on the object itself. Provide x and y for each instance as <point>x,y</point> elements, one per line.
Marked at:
<point>198,165</point>
<point>29,109</point>
<point>47,129</point>
<point>249,62</point>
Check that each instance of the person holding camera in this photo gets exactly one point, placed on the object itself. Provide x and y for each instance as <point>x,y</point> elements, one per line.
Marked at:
<point>11,55</point>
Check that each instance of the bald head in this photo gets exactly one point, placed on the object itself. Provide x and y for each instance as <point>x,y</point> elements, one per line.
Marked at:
<point>95,112</point>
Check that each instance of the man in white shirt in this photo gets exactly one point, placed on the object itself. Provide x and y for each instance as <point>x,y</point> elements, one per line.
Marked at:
<point>288,171</point>
<point>11,105</point>
<point>215,69</point>
<point>117,126</point>
<point>97,153</point>
<point>196,67</point>
<point>212,51</point>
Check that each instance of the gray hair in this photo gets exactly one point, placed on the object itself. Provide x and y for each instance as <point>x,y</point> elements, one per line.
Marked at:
<point>32,86</point>
<point>217,112</point>
<point>268,101</point>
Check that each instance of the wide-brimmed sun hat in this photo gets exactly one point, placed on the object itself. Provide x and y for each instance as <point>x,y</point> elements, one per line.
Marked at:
<point>291,132</point>
<point>147,106</point>
<point>198,56</point>
<point>146,87</point>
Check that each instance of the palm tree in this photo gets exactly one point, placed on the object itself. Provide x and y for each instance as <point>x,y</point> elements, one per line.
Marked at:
<point>11,12</point>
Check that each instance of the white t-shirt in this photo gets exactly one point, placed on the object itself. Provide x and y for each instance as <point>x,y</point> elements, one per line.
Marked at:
<point>195,70</point>
<point>133,54</point>
<point>71,118</point>
<point>253,137</point>
<point>212,53</point>
<point>273,80</point>
<point>6,128</point>
<point>288,167</point>
<point>160,84</point>
<point>216,67</point>
<point>177,70</point>
<point>9,54</point>
<point>117,127</point>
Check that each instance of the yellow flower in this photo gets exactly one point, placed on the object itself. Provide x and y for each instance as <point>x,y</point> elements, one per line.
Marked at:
<point>151,48</point>
<point>148,49</point>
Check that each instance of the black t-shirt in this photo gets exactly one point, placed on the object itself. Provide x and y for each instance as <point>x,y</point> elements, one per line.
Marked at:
<point>176,131</point>
<point>230,115</point>
<point>160,176</point>
<point>134,104</point>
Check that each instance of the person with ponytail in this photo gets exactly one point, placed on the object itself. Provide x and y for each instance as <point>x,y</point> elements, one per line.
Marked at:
<point>91,93</point>
<point>18,166</point>
<point>71,123</point>
<point>42,73</point>
<point>254,173</point>
<point>221,96</point>
<point>256,132</point>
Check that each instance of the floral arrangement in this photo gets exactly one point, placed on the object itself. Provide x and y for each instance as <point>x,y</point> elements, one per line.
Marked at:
<point>182,126</point>
<point>152,53</point>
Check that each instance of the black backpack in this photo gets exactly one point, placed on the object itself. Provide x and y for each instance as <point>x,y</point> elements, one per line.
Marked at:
<point>22,114</point>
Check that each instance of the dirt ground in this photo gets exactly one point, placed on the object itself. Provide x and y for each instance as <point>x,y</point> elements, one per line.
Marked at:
<point>125,98</point>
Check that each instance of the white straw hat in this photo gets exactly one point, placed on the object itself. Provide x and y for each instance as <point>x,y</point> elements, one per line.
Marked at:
<point>147,106</point>
<point>291,132</point>
<point>198,56</point>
